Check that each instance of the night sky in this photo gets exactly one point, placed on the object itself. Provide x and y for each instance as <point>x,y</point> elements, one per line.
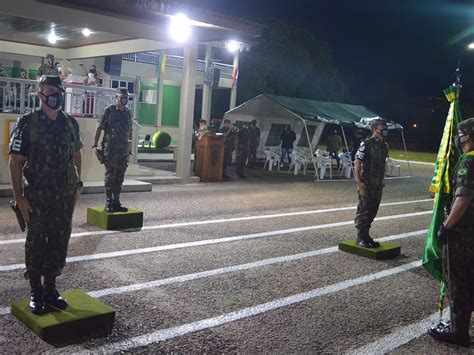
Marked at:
<point>415,43</point>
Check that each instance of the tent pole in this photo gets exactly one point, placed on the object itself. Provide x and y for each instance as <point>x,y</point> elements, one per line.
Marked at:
<point>406,152</point>
<point>310,149</point>
<point>347,147</point>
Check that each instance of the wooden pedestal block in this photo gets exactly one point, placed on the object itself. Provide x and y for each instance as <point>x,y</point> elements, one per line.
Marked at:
<point>84,315</point>
<point>133,219</point>
<point>384,252</point>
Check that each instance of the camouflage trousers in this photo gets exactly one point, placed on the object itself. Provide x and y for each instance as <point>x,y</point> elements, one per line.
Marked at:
<point>458,270</point>
<point>114,176</point>
<point>49,230</point>
<point>227,159</point>
<point>242,154</point>
<point>367,208</point>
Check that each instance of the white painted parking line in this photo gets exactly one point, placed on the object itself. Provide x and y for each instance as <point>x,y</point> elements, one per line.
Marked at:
<point>398,338</point>
<point>170,333</point>
<point>198,243</point>
<point>226,220</point>
<point>226,270</point>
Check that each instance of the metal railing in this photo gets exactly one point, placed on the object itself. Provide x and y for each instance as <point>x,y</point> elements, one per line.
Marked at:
<point>19,96</point>
<point>174,61</point>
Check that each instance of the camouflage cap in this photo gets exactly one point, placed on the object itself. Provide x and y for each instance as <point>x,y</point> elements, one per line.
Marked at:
<point>377,122</point>
<point>122,91</point>
<point>467,126</point>
<point>52,80</point>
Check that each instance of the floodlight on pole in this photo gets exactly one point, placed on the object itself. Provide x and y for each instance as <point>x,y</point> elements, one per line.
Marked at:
<point>471,45</point>
<point>180,28</point>
<point>233,46</point>
<point>86,32</point>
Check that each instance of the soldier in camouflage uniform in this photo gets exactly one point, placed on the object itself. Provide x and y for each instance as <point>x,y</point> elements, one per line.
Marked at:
<point>457,236</point>
<point>228,132</point>
<point>116,122</point>
<point>48,68</point>
<point>45,147</point>
<point>242,149</point>
<point>369,176</point>
<point>254,142</point>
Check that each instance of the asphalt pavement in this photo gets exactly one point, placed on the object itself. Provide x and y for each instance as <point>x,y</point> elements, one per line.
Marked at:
<point>243,266</point>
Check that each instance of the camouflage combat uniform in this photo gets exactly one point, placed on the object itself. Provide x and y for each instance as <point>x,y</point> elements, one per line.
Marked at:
<point>50,187</point>
<point>117,126</point>
<point>254,139</point>
<point>242,149</point>
<point>229,143</point>
<point>372,153</point>
<point>458,268</point>
<point>46,69</point>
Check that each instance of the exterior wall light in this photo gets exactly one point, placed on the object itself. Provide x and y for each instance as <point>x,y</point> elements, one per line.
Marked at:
<point>180,28</point>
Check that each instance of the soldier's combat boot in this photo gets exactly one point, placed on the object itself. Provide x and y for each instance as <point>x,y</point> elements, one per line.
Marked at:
<point>36,303</point>
<point>455,332</point>
<point>51,296</point>
<point>118,207</point>
<point>109,206</point>
<point>364,240</point>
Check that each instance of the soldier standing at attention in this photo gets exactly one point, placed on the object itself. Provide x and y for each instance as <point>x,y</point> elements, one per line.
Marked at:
<point>457,237</point>
<point>116,122</point>
<point>45,147</point>
<point>369,174</point>
<point>254,142</point>
<point>242,149</point>
<point>48,68</point>
<point>228,132</point>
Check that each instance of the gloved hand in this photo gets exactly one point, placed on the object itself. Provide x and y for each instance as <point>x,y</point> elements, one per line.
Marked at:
<point>443,234</point>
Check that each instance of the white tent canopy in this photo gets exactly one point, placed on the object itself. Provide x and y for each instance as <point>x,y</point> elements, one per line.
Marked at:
<point>307,118</point>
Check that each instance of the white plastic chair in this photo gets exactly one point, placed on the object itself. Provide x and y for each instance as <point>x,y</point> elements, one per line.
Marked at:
<point>393,169</point>
<point>345,167</point>
<point>297,162</point>
<point>322,163</point>
<point>272,159</point>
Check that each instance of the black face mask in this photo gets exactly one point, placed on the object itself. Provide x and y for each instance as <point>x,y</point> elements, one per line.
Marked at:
<point>384,132</point>
<point>124,100</point>
<point>53,101</point>
<point>92,70</point>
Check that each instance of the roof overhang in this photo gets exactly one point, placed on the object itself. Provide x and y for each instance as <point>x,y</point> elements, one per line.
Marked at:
<point>119,27</point>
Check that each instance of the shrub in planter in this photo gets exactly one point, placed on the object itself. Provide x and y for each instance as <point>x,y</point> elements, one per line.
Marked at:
<point>161,139</point>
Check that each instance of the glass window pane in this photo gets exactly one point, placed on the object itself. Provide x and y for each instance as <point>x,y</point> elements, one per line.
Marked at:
<point>303,142</point>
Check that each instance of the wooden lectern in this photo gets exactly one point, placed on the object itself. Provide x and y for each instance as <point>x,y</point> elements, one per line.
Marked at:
<point>209,157</point>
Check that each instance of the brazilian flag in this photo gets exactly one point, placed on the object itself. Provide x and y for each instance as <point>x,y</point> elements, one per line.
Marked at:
<point>441,187</point>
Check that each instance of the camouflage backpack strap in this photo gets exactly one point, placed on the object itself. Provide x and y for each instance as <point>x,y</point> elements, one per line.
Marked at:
<point>72,176</point>
<point>70,127</point>
<point>33,135</point>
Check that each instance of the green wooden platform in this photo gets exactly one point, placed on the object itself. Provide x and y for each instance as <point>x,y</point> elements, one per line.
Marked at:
<point>384,252</point>
<point>84,315</point>
<point>114,221</point>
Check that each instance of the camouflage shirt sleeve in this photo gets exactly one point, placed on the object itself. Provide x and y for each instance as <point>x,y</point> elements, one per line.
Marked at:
<point>78,142</point>
<point>20,138</point>
<point>465,178</point>
<point>102,123</point>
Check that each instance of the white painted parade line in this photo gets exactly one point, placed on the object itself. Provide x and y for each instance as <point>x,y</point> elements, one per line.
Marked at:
<point>114,254</point>
<point>226,220</point>
<point>227,270</point>
<point>173,332</point>
<point>398,338</point>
